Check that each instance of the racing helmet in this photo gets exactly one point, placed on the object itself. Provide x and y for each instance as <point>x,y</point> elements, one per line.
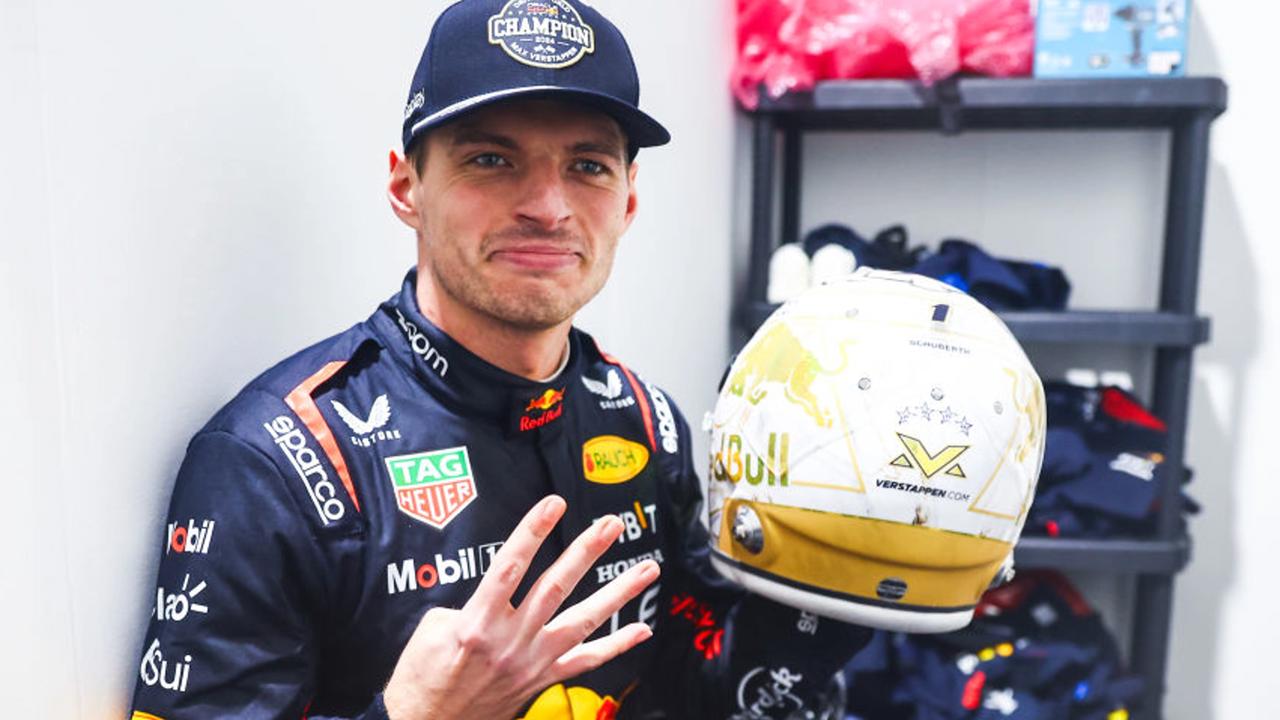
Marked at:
<point>874,451</point>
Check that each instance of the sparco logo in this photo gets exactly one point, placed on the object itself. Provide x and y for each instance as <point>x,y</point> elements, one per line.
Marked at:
<point>293,444</point>
<point>422,346</point>
<point>763,692</point>
<point>155,669</point>
<point>542,33</point>
<point>472,563</point>
<point>189,538</point>
<point>666,421</point>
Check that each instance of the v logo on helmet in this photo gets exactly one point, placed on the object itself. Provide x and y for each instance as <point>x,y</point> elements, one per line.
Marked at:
<point>929,463</point>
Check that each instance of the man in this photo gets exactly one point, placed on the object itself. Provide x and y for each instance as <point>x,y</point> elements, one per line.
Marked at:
<point>460,507</point>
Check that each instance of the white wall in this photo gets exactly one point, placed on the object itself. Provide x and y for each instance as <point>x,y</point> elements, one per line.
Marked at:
<point>190,191</point>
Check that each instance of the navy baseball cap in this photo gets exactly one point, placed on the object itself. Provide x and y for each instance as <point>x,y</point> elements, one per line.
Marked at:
<point>481,52</point>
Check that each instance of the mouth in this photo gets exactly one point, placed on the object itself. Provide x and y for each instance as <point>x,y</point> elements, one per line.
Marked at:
<point>536,256</point>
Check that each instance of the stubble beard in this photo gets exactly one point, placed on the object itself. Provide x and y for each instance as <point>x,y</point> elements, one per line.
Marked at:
<point>536,309</point>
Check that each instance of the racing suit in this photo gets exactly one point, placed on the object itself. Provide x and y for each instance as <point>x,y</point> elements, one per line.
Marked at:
<point>372,476</point>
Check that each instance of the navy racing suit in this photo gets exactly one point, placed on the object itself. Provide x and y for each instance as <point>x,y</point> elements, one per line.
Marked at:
<point>372,476</point>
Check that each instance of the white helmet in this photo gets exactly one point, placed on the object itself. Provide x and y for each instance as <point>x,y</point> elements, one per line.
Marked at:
<point>874,452</point>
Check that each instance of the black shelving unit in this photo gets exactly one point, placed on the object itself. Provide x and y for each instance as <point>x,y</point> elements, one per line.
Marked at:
<point>1171,330</point>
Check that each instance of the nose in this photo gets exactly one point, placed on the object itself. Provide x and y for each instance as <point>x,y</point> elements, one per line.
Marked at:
<point>544,200</point>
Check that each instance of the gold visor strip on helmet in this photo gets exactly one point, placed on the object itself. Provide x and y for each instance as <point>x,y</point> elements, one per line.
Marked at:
<point>849,555</point>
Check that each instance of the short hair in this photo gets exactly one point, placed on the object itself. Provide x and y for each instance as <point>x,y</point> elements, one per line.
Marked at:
<point>416,153</point>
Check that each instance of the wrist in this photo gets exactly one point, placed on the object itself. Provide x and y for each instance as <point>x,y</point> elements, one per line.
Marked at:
<point>394,705</point>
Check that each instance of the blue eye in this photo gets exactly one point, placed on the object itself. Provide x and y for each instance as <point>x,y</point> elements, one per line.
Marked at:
<point>591,167</point>
<point>489,160</point>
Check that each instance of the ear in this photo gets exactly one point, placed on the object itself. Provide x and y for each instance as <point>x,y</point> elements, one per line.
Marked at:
<point>633,200</point>
<point>400,185</point>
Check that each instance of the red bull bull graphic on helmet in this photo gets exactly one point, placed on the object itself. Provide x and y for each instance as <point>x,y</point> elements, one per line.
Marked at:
<point>433,487</point>
<point>778,357</point>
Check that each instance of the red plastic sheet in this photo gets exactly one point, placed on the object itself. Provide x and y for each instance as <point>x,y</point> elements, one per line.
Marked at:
<point>788,45</point>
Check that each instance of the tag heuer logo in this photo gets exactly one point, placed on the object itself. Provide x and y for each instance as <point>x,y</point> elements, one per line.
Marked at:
<point>433,487</point>
<point>542,33</point>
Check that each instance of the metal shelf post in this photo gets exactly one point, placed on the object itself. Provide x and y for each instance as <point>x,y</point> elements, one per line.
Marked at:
<point>1179,285</point>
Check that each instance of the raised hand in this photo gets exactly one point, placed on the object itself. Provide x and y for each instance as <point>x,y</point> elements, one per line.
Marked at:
<point>489,658</point>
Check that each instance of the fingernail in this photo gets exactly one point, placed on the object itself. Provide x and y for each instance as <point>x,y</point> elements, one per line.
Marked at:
<point>551,507</point>
<point>606,525</point>
<point>649,570</point>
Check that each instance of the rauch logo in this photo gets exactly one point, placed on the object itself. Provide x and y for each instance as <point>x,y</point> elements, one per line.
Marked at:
<point>610,460</point>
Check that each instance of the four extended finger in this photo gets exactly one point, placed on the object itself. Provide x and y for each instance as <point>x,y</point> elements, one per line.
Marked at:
<point>576,623</point>
<point>550,591</point>
<point>590,655</point>
<point>512,560</point>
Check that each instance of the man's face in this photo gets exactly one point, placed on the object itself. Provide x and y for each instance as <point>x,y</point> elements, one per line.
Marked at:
<point>519,209</point>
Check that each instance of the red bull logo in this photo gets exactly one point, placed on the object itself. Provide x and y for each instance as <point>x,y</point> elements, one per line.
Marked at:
<point>549,406</point>
<point>537,8</point>
<point>546,400</point>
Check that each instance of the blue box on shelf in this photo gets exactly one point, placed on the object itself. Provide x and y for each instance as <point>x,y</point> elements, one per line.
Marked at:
<point>1120,38</point>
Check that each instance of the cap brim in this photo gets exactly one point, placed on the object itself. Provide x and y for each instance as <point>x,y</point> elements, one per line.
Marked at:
<point>641,129</point>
